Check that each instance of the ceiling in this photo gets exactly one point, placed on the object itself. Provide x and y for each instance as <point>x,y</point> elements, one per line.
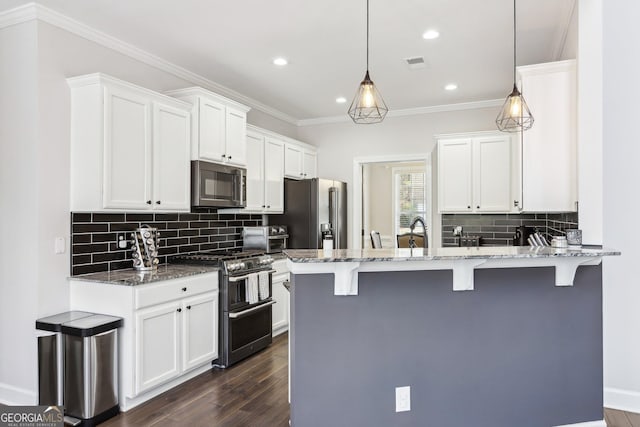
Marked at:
<point>233,44</point>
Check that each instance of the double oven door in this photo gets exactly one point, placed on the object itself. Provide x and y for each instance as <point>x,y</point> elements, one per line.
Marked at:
<point>245,328</point>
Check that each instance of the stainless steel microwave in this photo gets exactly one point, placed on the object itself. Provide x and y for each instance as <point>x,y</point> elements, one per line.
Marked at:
<point>214,185</point>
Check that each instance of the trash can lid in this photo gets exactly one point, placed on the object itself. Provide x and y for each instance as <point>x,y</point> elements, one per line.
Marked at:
<point>91,325</point>
<point>54,323</point>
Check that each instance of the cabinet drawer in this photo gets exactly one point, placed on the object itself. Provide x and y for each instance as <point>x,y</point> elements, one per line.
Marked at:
<point>157,293</point>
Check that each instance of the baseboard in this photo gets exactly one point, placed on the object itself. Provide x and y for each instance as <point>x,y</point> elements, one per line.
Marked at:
<point>10,395</point>
<point>587,424</point>
<point>624,400</point>
<point>129,403</point>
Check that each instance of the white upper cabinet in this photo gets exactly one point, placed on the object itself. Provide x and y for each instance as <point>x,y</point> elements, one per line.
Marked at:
<point>299,160</point>
<point>476,173</point>
<point>129,147</point>
<point>273,175</point>
<point>218,126</point>
<point>265,172</point>
<point>549,148</point>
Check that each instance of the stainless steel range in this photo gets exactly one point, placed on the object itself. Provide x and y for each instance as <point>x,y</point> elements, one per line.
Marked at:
<point>245,301</point>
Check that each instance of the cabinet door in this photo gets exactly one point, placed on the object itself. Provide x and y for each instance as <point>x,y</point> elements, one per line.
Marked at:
<point>454,175</point>
<point>211,138</point>
<point>157,345</point>
<point>255,172</point>
<point>293,162</point>
<point>171,165</point>
<point>200,330</point>
<point>492,176</point>
<point>274,174</point>
<point>549,168</point>
<point>309,160</point>
<point>236,137</point>
<point>280,310</point>
<point>127,150</point>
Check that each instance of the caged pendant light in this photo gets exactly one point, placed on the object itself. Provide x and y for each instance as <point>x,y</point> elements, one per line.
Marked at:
<point>367,106</point>
<point>515,115</point>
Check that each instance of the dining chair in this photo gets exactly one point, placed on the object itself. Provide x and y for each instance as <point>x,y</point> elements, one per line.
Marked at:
<point>403,240</point>
<point>376,241</point>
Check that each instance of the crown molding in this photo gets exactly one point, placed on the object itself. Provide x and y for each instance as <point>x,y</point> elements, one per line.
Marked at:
<point>33,11</point>
<point>491,103</point>
<point>18,15</point>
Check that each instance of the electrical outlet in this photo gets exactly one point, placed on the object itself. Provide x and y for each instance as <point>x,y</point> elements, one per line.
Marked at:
<point>123,240</point>
<point>403,399</point>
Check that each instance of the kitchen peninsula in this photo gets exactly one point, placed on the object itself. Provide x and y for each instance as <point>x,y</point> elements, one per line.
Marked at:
<point>483,336</point>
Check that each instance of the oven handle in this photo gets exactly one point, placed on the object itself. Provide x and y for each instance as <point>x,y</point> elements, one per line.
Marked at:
<point>239,278</point>
<point>250,310</point>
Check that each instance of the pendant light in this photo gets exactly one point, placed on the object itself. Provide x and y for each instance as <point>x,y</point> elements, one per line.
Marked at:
<point>515,115</point>
<point>367,106</point>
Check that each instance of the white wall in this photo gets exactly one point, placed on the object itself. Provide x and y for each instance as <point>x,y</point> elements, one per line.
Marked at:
<point>19,228</point>
<point>621,151</point>
<point>339,143</point>
<point>36,59</point>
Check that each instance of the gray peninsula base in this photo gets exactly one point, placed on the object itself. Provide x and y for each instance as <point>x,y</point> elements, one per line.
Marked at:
<point>516,351</point>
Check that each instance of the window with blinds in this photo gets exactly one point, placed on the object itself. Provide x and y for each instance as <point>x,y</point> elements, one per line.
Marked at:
<point>409,198</point>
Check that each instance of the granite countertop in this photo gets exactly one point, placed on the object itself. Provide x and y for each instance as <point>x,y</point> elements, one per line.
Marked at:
<point>447,253</point>
<point>131,277</point>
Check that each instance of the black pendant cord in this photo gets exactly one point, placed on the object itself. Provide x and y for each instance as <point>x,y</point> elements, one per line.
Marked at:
<point>514,42</point>
<point>367,36</point>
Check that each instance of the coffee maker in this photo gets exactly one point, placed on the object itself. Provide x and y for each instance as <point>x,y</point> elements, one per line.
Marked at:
<point>521,237</point>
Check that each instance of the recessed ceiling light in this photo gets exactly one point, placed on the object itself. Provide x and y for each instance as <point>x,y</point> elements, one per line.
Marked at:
<point>341,100</point>
<point>280,61</point>
<point>451,86</point>
<point>430,35</point>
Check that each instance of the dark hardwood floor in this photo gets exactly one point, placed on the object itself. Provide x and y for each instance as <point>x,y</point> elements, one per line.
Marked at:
<point>250,393</point>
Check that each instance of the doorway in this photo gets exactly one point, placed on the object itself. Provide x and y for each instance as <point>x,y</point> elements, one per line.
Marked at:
<point>388,193</point>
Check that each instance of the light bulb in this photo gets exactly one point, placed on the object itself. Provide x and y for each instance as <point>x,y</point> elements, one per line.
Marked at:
<point>515,106</point>
<point>367,96</point>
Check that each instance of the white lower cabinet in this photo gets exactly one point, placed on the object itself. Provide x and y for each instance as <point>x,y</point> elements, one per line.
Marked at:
<point>175,337</point>
<point>281,296</point>
<point>169,333</point>
<point>157,345</point>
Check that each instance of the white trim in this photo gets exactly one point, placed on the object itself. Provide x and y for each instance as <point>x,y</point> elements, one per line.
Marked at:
<point>624,400</point>
<point>10,395</point>
<point>356,198</point>
<point>599,423</point>
<point>491,103</point>
<point>32,11</point>
<point>563,31</point>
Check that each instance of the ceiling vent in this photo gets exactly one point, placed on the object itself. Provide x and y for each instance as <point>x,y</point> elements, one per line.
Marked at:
<point>416,62</point>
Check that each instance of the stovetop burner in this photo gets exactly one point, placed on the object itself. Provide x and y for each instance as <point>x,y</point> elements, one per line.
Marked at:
<point>210,257</point>
<point>231,262</point>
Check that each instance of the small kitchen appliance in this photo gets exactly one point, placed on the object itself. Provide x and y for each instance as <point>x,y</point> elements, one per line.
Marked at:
<point>267,238</point>
<point>522,235</point>
<point>144,248</point>
<point>214,185</point>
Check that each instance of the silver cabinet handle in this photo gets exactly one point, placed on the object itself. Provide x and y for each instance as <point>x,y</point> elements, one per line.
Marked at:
<point>250,310</point>
<point>239,278</point>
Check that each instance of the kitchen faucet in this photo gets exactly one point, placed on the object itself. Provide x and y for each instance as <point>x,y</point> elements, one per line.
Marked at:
<point>412,242</point>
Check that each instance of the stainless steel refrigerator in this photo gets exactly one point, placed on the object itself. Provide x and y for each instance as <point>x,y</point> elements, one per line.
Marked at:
<point>310,203</point>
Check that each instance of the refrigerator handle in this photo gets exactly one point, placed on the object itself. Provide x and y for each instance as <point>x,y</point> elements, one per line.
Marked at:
<point>333,216</point>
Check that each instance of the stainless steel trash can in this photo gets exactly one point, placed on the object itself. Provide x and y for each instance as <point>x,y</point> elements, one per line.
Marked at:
<point>51,356</point>
<point>91,368</point>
